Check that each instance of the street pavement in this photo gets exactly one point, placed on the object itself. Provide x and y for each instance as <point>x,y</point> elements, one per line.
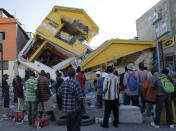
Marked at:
<point>10,125</point>
<point>7,125</point>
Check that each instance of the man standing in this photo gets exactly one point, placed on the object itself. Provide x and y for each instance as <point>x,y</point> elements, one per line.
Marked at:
<point>110,88</point>
<point>71,94</point>
<point>130,82</point>
<point>142,76</point>
<point>19,93</point>
<point>5,91</point>
<point>31,98</point>
<point>43,92</point>
<point>14,82</point>
<point>162,98</point>
<point>81,78</point>
<point>99,89</point>
<point>59,81</point>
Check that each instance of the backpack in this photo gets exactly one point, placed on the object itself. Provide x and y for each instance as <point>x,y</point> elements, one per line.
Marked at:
<point>167,85</point>
<point>132,82</point>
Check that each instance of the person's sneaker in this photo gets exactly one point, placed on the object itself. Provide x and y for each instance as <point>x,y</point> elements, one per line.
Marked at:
<point>171,126</point>
<point>154,125</point>
<point>104,126</point>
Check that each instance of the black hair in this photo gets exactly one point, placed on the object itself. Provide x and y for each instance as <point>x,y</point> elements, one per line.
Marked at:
<point>116,73</point>
<point>110,69</point>
<point>78,69</point>
<point>48,75</point>
<point>71,72</point>
<point>19,79</point>
<point>32,73</point>
<point>27,74</point>
<point>59,74</point>
<point>42,72</point>
<point>126,69</point>
<point>165,71</point>
<point>141,65</point>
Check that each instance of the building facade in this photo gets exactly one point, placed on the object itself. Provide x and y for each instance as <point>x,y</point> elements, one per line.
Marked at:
<point>160,22</point>
<point>15,40</point>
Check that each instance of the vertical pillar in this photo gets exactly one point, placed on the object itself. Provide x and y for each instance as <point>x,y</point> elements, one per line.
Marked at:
<point>157,47</point>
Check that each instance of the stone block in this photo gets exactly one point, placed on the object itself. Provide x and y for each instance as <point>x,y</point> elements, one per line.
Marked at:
<point>130,114</point>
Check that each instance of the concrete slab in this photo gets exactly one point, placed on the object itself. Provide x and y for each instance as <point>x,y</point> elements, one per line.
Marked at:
<point>130,114</point>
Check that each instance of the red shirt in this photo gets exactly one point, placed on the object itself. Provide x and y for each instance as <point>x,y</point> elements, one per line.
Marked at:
<point>82,79</point>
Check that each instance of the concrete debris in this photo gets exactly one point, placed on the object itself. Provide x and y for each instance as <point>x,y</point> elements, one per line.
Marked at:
<point>19,123</point>
<point>130,114</point>
<point>25,118</point>
<point>91,95</point>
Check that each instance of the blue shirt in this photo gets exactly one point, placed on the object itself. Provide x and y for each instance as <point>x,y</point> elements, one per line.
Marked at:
<point>100,86</point>
<point>71,94</point>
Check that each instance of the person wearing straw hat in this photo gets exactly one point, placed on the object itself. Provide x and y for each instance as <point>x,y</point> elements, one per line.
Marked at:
<point>130,81</point>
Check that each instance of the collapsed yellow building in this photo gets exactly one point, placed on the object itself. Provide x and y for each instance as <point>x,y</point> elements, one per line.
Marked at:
<point>62,37</point>
<point>119,51</point>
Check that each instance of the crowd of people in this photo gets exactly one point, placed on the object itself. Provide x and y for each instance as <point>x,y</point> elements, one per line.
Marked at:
<point>142,88</point>
<point>138,87</point>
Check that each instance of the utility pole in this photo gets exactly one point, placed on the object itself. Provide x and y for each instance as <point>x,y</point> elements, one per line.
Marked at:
<point>157,47</point>
<point>2,37</point>
<point>154,19</point>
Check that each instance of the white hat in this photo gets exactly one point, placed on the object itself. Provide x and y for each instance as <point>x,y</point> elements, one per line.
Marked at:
<point>131,66</point>
<point>98,73</point>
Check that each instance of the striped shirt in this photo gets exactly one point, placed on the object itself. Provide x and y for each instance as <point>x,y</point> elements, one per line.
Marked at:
<point>110,87</point>
<point>31,87</point>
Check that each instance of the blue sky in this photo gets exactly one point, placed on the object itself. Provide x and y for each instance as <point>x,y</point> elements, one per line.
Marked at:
<point>115,18</point>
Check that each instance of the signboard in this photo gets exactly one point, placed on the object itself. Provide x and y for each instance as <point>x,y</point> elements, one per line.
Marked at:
<point>163,28</point>
<point>166,43</point>
<point>155,17</point>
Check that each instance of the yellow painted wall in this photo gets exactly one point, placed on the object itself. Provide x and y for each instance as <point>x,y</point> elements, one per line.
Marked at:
<point>52,24</point>
<point>114,50</point>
